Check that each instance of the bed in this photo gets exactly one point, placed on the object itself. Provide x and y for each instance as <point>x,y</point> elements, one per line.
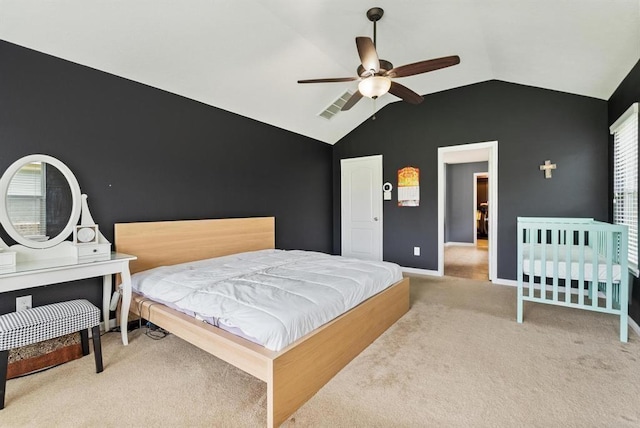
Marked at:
<point>574,262</point>
<point>296,372</point>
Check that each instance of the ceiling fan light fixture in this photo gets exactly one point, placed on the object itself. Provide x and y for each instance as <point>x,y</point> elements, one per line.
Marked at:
<point>374,86</point>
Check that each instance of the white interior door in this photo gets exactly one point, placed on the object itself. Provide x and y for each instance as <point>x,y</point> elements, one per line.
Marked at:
<point>361,196</point>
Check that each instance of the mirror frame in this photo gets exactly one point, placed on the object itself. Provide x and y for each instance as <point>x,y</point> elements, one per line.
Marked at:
<point>76,200</point>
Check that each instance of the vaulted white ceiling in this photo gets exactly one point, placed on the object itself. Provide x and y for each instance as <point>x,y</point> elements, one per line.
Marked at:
<point>245,56</point>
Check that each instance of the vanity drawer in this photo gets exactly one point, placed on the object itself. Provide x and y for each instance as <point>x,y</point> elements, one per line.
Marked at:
<point>94,251</point>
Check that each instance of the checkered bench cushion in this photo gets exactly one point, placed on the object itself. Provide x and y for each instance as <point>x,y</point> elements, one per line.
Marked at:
<point>46,322</point>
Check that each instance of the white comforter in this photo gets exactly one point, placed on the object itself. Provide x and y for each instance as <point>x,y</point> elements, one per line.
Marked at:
<point>273,297</point>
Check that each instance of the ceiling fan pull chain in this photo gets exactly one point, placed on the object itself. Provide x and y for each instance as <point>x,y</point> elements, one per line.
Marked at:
<point>373,116</point>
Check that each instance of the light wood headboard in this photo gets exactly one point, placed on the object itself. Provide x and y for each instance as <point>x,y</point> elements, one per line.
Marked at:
<point>170,242</point>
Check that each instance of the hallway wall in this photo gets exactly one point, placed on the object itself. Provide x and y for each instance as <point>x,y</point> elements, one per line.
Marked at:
<point>460,206</point>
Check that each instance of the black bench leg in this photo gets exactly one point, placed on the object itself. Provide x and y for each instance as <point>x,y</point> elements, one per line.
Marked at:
<point>97,348</point>
<point>4,361</point>
<point>84,341</point>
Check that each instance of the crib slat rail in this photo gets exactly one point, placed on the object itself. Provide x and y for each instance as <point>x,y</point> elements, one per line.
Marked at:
<point>609,284</point>
<point>574,262</point>
<point>532,289</point>
<point>581,280</point>
<point>555,245</point>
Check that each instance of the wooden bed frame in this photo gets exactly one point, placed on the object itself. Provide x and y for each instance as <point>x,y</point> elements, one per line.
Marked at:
<point>294,374</point>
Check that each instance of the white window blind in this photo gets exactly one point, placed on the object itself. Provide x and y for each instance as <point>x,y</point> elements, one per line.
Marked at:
<point>26,200</point>
<point>625,178</point>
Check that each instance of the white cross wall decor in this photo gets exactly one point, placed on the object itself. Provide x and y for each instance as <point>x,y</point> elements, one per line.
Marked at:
<point>547,167</point>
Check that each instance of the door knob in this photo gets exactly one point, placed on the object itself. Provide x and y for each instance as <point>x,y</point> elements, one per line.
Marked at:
<point>375,219</point>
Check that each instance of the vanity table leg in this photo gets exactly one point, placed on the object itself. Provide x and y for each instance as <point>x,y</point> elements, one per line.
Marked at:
<point>106,300</point>
<point>126,302</point>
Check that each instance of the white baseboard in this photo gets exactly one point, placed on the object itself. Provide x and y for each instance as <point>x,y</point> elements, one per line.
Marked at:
<point>501,281</point>
<point>417,271</point>
<point>634,326</point>
<point>428,272</point>
<point>112,324</point>
<point>459,244</point>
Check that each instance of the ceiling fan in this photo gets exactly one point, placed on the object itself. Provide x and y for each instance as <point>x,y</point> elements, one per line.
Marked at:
<point>375,75</point>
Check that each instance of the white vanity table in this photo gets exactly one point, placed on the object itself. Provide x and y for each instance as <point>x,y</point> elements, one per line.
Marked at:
<point>41,206</point>
<point>36,273</point>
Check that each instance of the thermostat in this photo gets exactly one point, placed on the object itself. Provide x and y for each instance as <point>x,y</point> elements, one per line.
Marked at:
<point>386,188</point>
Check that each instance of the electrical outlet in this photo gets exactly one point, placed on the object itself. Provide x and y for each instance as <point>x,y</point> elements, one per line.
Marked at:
<point>416,251</point>
<point>23,303</point>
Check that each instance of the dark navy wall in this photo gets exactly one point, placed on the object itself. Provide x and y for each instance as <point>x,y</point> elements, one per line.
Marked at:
<point>143,154</point>
<point>460,206</point>
<point>627,93</point>
<point>530,125</point>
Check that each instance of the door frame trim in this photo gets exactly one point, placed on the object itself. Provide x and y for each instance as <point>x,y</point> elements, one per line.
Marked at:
<point>378,201</point>
<point>447,155</point>
<point>476,175</point>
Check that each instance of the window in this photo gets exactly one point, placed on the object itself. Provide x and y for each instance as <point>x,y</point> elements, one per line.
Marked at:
<point>625,178</point>
<point>26,201</point>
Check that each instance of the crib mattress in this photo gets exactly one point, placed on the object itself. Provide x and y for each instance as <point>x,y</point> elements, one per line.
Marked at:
<point>567,269</point>
<point>272,297</point>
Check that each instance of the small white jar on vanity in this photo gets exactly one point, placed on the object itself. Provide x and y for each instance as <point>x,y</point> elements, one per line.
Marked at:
<point>56,238</point>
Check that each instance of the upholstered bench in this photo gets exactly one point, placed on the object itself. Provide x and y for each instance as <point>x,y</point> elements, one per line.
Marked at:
<point>47,322</point>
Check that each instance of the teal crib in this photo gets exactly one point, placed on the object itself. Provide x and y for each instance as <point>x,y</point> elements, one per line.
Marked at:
<point>574,262</point>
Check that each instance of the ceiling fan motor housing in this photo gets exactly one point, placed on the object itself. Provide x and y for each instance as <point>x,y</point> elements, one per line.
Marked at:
<point>384,67</point>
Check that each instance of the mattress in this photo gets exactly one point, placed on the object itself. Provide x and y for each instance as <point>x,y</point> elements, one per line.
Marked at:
<point>563,263</point>
<point>272,297</point>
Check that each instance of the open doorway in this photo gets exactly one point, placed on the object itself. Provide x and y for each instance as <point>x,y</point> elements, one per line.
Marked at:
<point>466,253</point>
<point>467,232</point>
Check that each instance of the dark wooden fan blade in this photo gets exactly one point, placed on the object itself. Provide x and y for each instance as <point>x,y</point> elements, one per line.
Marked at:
<point>329,80</point>
<point>405,93</point>
<point>423,66</point>
<point>368,54</point>
<point>357,96</point>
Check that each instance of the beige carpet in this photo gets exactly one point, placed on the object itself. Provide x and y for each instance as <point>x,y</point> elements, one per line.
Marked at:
<point>457,359</point>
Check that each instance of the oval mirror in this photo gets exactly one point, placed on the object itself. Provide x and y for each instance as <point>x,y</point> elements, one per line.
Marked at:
<point>42,201</point>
